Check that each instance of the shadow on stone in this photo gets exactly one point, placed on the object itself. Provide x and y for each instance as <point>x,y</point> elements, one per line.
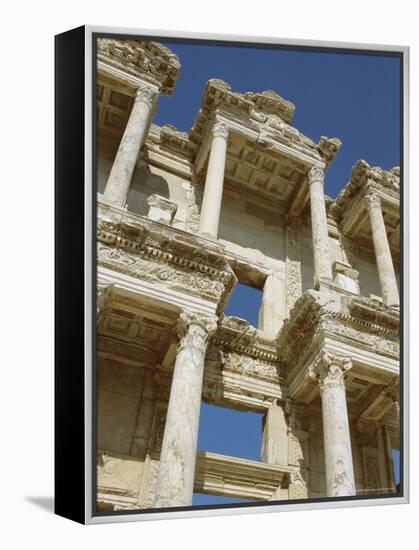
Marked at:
<point>46,503</point>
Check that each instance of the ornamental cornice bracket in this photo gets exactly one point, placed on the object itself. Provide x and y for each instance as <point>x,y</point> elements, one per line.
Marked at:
<point>329,148</point>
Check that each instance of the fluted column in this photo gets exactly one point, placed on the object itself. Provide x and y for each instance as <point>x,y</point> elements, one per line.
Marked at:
<point>119,180</point>
<point>321,248</point>
<point>214,182</point>
<point>383,257</point>
<point>330,371</point>
<point>175,481</point>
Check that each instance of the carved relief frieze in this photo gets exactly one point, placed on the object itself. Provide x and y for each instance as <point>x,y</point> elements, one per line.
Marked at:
<point>247,366</point>
<point>293,264</point>
<point>134,265</point>
<point>346,326</point>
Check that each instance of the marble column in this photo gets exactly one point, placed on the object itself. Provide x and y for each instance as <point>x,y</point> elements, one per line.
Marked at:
<point>330,371</point>
<point>117,187</point>
<point>175,481</point>
<point>272,310</point>
<point>214,182</point>
<point>384,261</point>
<point>321,247</point>
<point>275,436</point>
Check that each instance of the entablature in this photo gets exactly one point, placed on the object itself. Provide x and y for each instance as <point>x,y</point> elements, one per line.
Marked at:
<point>139,59</point>
<point>357,328</point>
<point>234,477</point>
<point>157,253</point>
<point>351,205</point>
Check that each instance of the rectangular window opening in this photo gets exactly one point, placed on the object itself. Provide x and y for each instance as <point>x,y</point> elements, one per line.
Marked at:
<point>245,302</point>
<point>230,432</point>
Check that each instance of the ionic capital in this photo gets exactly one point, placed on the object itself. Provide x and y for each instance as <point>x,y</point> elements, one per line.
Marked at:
<point>220,129</point>
<point>330,370</point>
<point>194,330</point>
<point>316,174</point>
<point>145,94</point>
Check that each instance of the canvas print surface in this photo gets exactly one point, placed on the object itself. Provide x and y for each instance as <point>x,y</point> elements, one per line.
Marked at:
<point>248,274</point>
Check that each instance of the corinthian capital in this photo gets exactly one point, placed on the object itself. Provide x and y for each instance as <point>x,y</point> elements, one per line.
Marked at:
<point>330,370</point>
<point>145,94</point>
<point>373,200</point>
<point>220,129</point>
<point>194,330</point>
<point>316,173</point>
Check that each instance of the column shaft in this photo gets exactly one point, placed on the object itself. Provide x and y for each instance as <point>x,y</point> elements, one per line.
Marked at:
<point>383,257</point>
<point>119,180</point>
<point>272,310</point>
<point>176,475</point>
<point>275,436</point>
<point>321,248</point>
<point>340,479</point>
<point>213,192</point>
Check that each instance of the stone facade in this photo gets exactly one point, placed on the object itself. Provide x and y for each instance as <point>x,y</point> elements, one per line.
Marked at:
<point>181,218</point>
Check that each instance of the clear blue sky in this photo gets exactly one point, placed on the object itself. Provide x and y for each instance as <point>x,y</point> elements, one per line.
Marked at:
<point>352,97</point>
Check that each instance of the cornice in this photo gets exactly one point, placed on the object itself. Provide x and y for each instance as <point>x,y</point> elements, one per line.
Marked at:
<point>150,61</point>
<point>361,320</point>
<point>235,334</point>
<point>366,178</point>
<point>136,245</point>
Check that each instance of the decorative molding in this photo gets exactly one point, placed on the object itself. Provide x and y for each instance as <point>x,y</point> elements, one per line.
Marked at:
<point>151,251</point>
<point>236,477</point>
<point>237,335</point>
<point>375,180</point>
